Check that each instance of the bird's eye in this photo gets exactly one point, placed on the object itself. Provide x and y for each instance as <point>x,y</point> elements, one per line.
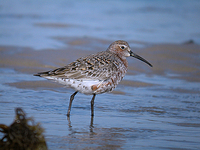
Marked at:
<point>122,47</point>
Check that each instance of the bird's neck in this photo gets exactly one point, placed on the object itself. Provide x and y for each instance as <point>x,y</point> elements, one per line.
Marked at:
<point>123,59</point>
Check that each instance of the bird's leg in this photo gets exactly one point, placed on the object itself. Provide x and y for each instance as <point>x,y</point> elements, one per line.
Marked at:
<point>70,103</point>
<point>91,124</point>
<point>92,105</point>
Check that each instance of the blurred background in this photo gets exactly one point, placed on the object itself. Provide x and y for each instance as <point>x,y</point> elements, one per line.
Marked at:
<point>36,23</point>
<point>152,108</point>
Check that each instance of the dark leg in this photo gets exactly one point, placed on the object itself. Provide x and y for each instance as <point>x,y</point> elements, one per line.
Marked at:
<point>91,124</point>
<point>70,103</point>
<point>92,105</point>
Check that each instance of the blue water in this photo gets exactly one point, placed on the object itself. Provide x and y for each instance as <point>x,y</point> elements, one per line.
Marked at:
<point>154,21</point>
<point>142,118</point>
<point>149,117</point>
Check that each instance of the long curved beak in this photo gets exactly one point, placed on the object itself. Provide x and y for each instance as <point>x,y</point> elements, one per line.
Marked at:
<point>140,58</point>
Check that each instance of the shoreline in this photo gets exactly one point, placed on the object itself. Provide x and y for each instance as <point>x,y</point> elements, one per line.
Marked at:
<point>174,61</point>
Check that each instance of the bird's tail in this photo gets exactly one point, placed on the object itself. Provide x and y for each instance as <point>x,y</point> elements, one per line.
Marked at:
<point>42,74</point>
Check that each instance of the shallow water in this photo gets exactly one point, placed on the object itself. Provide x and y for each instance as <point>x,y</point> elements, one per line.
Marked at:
<point>27,23</point>
<point>142,118</point>
<point>152,108</point>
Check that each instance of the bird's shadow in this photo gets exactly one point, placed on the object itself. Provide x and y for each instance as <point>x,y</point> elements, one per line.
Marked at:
<point>91,126</point>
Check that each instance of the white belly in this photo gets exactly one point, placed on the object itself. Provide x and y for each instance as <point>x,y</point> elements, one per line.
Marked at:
<point>83,86</point>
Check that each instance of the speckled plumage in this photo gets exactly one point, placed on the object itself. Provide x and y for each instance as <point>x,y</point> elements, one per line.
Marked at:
<point>96,73</point>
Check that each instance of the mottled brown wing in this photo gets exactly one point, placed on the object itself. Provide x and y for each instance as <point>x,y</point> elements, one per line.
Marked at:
<point>99,66</point>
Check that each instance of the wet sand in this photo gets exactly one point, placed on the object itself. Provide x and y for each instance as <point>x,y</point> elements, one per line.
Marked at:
<point>150,106</point>
<point>178,61</point>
